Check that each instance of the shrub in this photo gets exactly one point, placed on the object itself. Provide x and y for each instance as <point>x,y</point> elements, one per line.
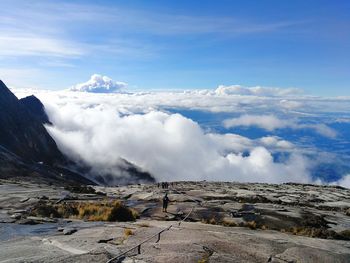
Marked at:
<point>80,189</point>
<point>251,224</point>
<point>314,232</point>
<point>229,223</point>
<point>45,210</point>
<point>122,214</point>
<point>67,210</point>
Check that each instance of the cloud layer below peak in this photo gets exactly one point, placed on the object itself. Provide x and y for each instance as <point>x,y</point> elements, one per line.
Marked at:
<point>153,131</point>
<point>170,146</point>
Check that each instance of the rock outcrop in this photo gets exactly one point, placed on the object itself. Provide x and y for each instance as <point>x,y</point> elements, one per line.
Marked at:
<point>34,105</point>
<point>22,132</point>
<point>27,151</point>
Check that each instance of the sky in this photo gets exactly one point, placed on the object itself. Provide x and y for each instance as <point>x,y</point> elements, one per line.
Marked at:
<point>177,45</point>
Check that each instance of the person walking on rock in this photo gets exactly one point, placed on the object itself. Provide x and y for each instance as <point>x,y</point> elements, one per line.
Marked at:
<point>165,202</point>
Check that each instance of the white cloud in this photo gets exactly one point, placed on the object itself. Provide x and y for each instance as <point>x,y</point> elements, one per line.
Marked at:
<point>33,45</point>
<point>345,181</point>
<point>274,141</point>
<point>267,122</point>
<point>271,122</point>
<point>257,91</point>
<point>99,84</point>
<point>290,104</point>
<point>170,146</point>
<point>343,120</point>
<point>321,129</point>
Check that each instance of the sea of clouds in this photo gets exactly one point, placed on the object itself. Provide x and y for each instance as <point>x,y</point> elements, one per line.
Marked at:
<point>98,123</point>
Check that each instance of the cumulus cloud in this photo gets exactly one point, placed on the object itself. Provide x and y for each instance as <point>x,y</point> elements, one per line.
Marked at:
<point>271,122</point>
<point>257,91</point>
<point>274,141</point>
<point>99,84</point>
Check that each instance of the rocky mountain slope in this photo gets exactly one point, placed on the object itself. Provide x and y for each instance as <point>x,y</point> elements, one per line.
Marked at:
<point>27,151</point>
<point>23,133</point>
<point>206,222</point>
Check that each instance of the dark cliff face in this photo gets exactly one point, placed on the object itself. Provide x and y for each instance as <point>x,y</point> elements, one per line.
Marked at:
<point>27,151</point>
<point>22,132</point>
<point>34,105</point>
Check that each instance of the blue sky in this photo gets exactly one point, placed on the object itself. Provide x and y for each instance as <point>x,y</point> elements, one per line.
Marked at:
<point>178,44</point>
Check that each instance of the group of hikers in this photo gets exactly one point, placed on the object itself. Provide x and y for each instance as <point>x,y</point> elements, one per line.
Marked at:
<point>165,185</point>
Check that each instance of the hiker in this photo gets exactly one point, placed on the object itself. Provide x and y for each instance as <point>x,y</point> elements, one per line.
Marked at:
<point>165,202</point>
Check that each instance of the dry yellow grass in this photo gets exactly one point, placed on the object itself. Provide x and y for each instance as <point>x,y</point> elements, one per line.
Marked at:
<point>143,224</point>
<point>97,211</point>
<point>251,224</point>
<point>212,221</point>
<point>128,232</point>
<point>264,227</point>
<point>230,223</point>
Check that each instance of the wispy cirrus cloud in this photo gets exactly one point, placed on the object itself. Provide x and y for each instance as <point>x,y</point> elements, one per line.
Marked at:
<point>35,45</point>
<point>49,29</point>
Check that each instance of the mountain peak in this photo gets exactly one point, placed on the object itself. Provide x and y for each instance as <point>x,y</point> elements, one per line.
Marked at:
<point>6,96</point>
<point>34,105</point>
<point>22,131</point>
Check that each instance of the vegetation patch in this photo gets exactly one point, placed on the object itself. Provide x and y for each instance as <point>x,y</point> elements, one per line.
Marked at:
<point>320,233</point>
<point>144,224</point>
<point>90,211</point>
<point>43,209</point>
<point>80,189</point>
<point>230,223</point>
<point>128,232</point>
